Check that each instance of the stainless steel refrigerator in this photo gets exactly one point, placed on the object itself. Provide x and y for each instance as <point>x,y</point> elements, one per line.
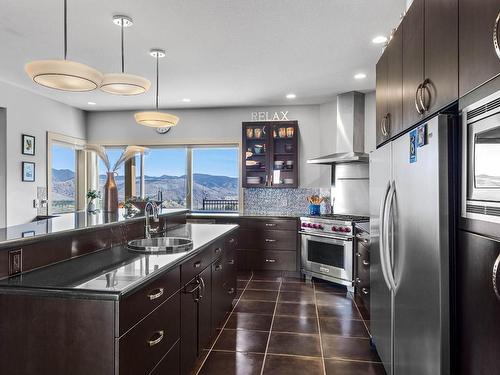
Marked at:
<point>409,252</point>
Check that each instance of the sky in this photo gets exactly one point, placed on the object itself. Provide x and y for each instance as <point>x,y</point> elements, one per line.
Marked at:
<point>172,161</point>
<point>63,157</point>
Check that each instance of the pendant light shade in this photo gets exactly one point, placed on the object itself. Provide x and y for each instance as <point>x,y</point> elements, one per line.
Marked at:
<point>156,119</point>
<point>122,83</point>
<point>64,74</point>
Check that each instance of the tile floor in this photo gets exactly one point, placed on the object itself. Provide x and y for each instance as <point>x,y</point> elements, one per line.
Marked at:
<point>284,325</point>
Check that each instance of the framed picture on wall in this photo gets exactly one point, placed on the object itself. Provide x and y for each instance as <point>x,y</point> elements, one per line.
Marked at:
<point>28,144</point>
<point>28,171</point>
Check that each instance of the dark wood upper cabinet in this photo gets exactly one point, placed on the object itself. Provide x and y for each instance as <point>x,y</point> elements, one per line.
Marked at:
<point>270,147</point>
<point>395,83</point>
<point>413,62</point>
<point>381,100</point>
<point>478,60</point>
<point>441,53</point>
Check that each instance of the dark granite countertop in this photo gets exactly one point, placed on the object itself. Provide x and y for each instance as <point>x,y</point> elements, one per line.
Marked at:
<point>211,215</point>
<point>112,273</point>
<point>70,222</point>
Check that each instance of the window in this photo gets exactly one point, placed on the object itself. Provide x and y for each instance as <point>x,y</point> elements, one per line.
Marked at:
<point>63,178</point>
<point>215,179</point>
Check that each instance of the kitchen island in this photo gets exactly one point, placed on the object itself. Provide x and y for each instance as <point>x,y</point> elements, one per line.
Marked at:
<point>120,312</point>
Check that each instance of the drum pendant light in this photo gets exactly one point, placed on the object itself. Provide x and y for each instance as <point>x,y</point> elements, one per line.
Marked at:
<point>156,119</point>
<point>122,83</point>
<point>64,74</point>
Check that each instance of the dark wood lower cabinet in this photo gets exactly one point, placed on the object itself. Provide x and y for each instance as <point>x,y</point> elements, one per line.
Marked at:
<point>477,305</point>
<point>362,267</point>
<point>189,325</point>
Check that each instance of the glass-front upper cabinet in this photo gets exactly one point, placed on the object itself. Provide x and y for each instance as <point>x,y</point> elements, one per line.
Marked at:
<point>270,154</point>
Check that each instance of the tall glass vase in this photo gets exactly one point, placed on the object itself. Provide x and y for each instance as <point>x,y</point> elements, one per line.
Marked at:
<point>110,194</point>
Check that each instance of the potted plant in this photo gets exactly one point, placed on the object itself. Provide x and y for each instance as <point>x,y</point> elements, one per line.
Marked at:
<point>92,195</point>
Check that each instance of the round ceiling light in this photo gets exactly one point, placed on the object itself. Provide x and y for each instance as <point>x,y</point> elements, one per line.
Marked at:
<point>360,76</point>
<point>156,119</point>
<point>123,83</point>
<point>379,39</point>
<point>291,96</point>
<point>64,74</point>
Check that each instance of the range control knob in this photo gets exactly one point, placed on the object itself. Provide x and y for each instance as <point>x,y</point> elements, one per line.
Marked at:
<point>335,229</point>
<point>347,230</point>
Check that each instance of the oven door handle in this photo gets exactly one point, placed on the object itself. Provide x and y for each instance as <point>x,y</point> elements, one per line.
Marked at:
<point>310,235</point>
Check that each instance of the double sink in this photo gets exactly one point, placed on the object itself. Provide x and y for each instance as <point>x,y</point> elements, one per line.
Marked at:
<point>163,245</point>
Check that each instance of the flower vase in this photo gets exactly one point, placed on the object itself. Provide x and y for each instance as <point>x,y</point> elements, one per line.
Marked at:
<point>110,194</point>
<point>91,207</point>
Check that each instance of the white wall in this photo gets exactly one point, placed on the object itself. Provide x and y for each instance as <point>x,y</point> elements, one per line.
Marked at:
<point>370,122</point>
<point>210,125</point>
<point>328,139</point>
<point>34,115</point>
<point>3,167</point>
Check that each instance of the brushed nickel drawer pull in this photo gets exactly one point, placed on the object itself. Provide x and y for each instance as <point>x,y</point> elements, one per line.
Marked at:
<point>270,260</point>
<point>358,280</point>
<point>270,225</point>
<point>358,254</point>
<point>158,294</point>
<point>270,240</point>
<point>365,262</point>
<point>218,267</point>
<point>153,342</point>
<point>218,250</point>
<point>230,261</point>
<point>231,240</point>
<point>230,291</point>
<point>365,291</point>
<point>197,264</point>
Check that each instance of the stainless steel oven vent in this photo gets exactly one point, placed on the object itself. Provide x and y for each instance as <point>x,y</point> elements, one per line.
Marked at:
<point>485,108</point>
<point>483,210</point>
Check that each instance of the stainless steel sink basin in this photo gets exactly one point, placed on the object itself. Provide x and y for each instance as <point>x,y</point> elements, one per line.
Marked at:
<point>166,245</point>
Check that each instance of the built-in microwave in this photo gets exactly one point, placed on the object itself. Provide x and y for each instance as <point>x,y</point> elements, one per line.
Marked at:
<point>481,159</point>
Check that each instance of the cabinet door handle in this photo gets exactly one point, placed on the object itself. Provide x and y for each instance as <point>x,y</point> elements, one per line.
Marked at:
<point>230,261</point>
<point>197,264</point>
<point>270,225</point>
<point>269,240</point>
<point>358,254</point>
<point>231,240</point>
<point>230,291</point>
<point>270,260</point>
<point>365,262</point>
<point>494,276</point>
<point>425,104</point>
<point>417,96</point>
<point>382,126</point>
<point>154,341</point>
<point>157,293</point>
<point>218,267</point>
<point>202,289</point>
<point>365,291</point>
<point>495,35</point>
<point>218,250</point>
<point>358,280</point>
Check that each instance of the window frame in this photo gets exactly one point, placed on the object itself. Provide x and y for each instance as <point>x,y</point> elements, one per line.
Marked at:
<point>189,146</point>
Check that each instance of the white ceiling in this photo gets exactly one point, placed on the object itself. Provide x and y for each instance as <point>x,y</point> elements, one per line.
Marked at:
<point>219,52</point>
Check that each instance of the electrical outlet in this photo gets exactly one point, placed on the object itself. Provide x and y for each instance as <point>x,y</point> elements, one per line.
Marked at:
<point>15,262</point>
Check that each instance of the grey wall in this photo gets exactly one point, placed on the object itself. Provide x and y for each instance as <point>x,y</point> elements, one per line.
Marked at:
<point>3,167</point>
<point>210,125</point>
<point>34,115</point>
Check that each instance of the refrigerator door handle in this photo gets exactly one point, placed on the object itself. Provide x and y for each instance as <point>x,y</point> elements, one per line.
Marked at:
<point>387,217</point>
<point>383,261</point>
<point>494,276</point>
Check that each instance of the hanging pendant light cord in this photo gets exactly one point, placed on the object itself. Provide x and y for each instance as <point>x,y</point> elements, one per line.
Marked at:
<point>123,53</point>
<point>65,29</point>
<point>157,81</point>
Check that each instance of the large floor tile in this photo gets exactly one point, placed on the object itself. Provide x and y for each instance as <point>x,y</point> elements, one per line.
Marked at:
<point>297,287</point>
<point>232,364</point>
<point>348,348</point>
<point>267,275</point>
<point>331,299</point>
<point>343,327</point>
<point>295,344</point>
<point>241,284</point>
<point>327,287</point>
<point>340,367</point>
<point>339,311</point>
<point>244,275</point>
<point>298,297</point>
<point>288,365</point>
<point>250,321</point>
<point>242,341</point>
<point>295,324</point>
<point>296,309</point>
<point>260,295</point>
<point>256,307</point>
<point>263,285</point>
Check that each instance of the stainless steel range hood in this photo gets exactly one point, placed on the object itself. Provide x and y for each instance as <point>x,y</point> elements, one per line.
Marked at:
<point>342,157</point>
<point>350,131</point>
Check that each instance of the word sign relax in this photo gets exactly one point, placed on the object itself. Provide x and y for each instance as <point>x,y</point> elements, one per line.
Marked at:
<point>266,116</point>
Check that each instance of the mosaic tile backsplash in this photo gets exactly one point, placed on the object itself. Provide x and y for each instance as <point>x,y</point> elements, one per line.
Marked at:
<point>286,202</point>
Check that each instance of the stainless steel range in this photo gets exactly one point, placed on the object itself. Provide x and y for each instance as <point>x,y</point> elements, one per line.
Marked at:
<point>327,247</point>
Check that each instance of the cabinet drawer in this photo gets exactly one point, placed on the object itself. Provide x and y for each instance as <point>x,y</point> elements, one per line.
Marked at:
<point>170,363</point>
<point>271,224</point>
<point>230,268</point>
<point>267,260</point>
<point>202,260</point>
<point>141,348</point>
<point>231,242</point>
<point>140,303</point>
<point>268,240</point>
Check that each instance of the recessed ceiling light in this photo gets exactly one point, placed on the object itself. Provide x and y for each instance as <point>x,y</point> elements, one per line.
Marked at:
<point>360,76</point>
<point>91,103</point>
<point>186,100</point>
<point>379,39</point>
<point>291,96</point>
